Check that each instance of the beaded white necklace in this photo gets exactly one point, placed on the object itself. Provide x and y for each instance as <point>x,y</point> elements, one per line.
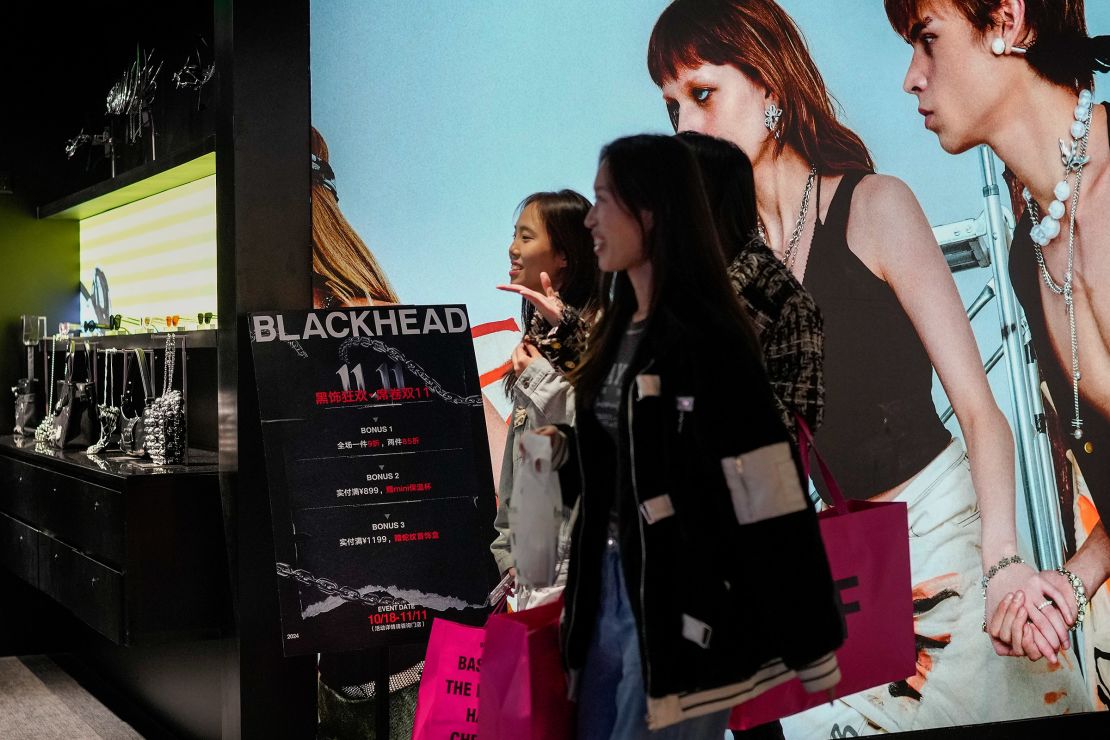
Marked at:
<point>1074,158</point>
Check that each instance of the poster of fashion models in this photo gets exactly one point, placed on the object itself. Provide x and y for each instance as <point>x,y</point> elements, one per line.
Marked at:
<point>868,127</point>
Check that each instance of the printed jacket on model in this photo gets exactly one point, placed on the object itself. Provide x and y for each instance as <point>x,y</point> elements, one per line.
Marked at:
<point>720,547</point>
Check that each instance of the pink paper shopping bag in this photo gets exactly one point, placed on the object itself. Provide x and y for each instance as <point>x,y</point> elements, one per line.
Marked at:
<point>524,689</point>
<point>867,545</point>
<point>447,704</point>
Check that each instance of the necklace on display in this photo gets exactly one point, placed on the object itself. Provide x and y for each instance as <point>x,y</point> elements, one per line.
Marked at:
<point>1074,158</point>
<point>791,255</point>
<point>46,428</point>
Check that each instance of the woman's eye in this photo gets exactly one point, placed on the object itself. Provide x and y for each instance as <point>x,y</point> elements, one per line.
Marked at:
<point>672,113</point>
<point>701,94</point>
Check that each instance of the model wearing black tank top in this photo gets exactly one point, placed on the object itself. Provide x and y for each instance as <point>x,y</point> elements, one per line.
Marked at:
<point>886,294</point>
<point>881,426</point>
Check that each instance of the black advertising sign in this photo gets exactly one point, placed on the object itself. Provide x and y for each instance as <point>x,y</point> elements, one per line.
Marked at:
<point>379,473</point>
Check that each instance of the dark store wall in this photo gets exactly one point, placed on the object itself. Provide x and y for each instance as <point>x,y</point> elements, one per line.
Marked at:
<point>46,250</point>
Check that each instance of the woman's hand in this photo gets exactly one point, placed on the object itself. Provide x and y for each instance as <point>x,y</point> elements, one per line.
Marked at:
<point>1051,623</point>
<point>548,303</point>
<point>523,356</point>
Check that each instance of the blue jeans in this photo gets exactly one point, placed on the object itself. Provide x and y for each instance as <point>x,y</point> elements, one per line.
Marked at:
<point>611,701</point>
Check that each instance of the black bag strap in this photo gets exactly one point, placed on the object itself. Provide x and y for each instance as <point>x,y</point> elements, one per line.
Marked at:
<point>147,383</point>
<point>70,362</point>
<point>90,362</point>
<point>126,375</point>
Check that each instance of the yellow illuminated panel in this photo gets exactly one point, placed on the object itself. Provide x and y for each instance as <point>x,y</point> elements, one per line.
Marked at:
<point>154,257</point>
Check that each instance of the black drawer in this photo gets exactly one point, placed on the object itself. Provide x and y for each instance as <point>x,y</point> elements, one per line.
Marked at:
<point>91,590</point>
<point>84,515</point>
<point>19,549</point>
<point>17,489</point>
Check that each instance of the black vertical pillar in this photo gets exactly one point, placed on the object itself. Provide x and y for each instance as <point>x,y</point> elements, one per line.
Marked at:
<point>264,258</point>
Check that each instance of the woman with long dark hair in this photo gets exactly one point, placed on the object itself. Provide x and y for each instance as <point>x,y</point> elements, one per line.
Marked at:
<point>1028,66</point>
<point>786,320</point>
<point>860,244</point>
<point>551,261</point>
<point>684,477</point>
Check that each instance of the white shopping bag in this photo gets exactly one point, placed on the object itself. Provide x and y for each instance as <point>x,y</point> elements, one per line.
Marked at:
<point>535,514</point>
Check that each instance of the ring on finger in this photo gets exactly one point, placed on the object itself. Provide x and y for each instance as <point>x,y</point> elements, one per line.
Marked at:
<point>1045,604</point>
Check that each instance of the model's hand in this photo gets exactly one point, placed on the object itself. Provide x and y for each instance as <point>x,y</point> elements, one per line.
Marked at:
<point>1006,625</point>
<point>548,303</point>
<point>523,355</point>
<point>1065,598</point>
<point>1011,626</point>
<point>1037,589</point>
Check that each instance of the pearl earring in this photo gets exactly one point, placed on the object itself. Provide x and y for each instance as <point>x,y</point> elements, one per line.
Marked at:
<point>998,46</point>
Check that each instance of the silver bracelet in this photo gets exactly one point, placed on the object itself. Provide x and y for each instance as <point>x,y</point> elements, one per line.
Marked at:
<point>994,569</point>
<point>1080,594</point>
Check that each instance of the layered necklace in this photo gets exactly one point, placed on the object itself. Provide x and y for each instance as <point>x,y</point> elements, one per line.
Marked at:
<point>791,255</point>
<point>1074,158</point>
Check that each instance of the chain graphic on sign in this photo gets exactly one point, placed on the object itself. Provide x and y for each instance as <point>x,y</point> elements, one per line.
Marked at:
<point>331,588</point>
<point>399,360</point>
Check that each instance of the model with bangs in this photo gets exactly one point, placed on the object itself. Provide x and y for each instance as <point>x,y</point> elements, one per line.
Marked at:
<point>861,245</point>
<point>1027,66</point>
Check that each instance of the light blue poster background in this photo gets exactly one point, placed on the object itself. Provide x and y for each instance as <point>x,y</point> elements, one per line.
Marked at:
<point>441,116</point>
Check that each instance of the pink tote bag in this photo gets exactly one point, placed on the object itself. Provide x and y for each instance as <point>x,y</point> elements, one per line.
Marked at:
<point>524,688</point>
<point>867,545</point>
<point>447,703</point>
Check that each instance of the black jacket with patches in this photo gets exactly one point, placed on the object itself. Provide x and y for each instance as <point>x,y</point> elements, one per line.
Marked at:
<point>720,547</point>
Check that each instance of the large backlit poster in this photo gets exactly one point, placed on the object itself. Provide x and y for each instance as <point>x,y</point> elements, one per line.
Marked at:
<point>430,127</point>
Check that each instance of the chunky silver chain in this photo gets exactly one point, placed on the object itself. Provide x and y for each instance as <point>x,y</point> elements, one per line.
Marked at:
<point>331,588</point>
<point>171,352</point>
<point>45,430</point>
<point>397,356</point>
<point>791,255</point>
<point>1066,288</point>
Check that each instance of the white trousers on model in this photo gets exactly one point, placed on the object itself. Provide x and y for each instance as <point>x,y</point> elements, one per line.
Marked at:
<point>960,680</point>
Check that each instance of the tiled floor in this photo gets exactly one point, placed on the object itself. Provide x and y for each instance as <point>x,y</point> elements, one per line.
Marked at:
<point>39,701</point>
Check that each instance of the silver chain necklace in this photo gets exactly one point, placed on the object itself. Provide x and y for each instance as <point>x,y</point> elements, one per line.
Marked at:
<point>791,254</point>
<point>46,428</point>
<point>1074,158</point>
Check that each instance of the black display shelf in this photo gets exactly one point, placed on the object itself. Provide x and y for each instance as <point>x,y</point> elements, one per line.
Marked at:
<point>108,465</point>
<point>168,171</point>
<point>202,339</point>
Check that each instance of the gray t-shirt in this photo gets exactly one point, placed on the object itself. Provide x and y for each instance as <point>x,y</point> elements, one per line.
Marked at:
<point>608,402</point>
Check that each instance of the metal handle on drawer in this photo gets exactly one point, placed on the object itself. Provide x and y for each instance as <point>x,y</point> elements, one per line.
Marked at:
<point>96,505</point>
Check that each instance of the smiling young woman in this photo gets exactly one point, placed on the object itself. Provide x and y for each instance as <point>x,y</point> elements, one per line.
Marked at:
<point>860,244</point>
<point>551,262</point>
<point>684,478</point>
